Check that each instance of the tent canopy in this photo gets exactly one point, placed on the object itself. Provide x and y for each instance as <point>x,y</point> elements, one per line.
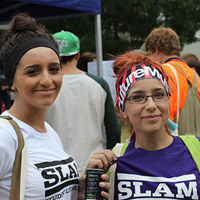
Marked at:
<point>51,9</point>
<point>48,9</point>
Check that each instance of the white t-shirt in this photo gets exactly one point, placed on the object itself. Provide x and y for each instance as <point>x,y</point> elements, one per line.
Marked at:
<point>52,174</point>
<point>77,115</point>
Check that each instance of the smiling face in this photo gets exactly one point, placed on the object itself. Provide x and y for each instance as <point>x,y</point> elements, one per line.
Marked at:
<point>38,78</point>
<point>151,116</point>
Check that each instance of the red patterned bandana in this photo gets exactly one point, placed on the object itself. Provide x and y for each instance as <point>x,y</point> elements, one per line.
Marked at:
<point>134,74</point>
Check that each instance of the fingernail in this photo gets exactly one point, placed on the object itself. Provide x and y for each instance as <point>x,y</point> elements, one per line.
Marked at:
<point>115,157</point>
<point>111,162</point>
<point>103,184</point>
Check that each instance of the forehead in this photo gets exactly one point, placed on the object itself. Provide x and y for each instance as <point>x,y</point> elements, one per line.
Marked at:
<point>39,54</point>
<point>147,85</point>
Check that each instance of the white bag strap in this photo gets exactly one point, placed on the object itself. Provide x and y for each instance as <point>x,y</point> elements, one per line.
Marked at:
<point>24,166</point>
<point>117,150</point>
<point>18,184</point>
<point>178,90</point>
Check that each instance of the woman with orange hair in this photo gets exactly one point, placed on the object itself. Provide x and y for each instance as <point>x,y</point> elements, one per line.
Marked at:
<point>151,166</point>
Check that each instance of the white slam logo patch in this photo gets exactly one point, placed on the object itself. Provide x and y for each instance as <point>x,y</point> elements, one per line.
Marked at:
<point>59,176</point>
<point>135,187</point>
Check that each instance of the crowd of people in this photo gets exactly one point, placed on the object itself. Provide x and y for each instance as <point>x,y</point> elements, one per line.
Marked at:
<point>69,123</point>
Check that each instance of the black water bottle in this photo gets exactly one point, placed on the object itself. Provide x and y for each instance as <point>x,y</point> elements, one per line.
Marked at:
<point>93,178</point>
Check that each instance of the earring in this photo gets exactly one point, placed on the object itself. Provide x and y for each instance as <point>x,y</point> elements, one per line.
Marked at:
<point>124,116</point>
<point>12,88</point>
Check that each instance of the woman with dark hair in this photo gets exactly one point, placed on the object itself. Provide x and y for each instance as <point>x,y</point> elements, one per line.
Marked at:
<point>31,64</point>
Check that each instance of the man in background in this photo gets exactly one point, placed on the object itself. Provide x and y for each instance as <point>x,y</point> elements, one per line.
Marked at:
<point>83,114</point>
<point>163,45</point>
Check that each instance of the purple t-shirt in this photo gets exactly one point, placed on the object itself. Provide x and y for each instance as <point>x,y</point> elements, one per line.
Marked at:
<point>169,173</point>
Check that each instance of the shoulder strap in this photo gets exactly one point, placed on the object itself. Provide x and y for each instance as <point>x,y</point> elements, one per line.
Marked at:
<point>193,145</point>
<point>195,80</point>
<point>119,150</point>
<point>194,85</point>
<point>181,70</point>
<point>178,90</point>
<point>20,164</point>
<point>124,148</point>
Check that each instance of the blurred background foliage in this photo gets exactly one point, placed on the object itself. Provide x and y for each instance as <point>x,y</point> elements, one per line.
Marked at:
<point>126,23</point>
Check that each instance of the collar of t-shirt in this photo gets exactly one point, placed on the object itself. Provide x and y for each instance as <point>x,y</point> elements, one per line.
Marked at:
<point>172,58</point>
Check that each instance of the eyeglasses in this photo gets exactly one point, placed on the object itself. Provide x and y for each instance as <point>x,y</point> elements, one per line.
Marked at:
<point>140,99</point>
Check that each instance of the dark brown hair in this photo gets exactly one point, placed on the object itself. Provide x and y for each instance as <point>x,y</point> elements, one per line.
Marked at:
<point>22,28</point>
<point>84,59</point>
<point>192,61</point>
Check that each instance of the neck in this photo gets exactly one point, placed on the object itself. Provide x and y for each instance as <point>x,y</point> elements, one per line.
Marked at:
<point>166,57</point>
<point>153,141</point>
<point>70,68</point>
<point>33,117</point>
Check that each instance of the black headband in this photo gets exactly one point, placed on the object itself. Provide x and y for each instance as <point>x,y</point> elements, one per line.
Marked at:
<point>20,49</point>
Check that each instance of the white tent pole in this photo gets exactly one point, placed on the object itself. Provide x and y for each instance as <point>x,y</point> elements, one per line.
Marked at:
<point>98,37</point>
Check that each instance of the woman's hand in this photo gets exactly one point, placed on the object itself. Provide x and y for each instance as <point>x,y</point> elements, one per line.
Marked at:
<point>104,185</point>
<point>102,160</point>
<point>99,160</point>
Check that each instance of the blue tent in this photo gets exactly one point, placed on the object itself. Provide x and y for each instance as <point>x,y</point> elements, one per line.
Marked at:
<point>48,9</point>
<point>51,9</point>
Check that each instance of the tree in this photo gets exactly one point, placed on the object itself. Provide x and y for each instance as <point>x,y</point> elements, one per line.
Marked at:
<point>126,23</point>
<point>129,21</point>
<point>83,27</point>
<point>184,17</point>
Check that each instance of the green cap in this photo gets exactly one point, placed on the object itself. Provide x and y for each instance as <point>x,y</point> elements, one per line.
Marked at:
<point>68,43</point>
